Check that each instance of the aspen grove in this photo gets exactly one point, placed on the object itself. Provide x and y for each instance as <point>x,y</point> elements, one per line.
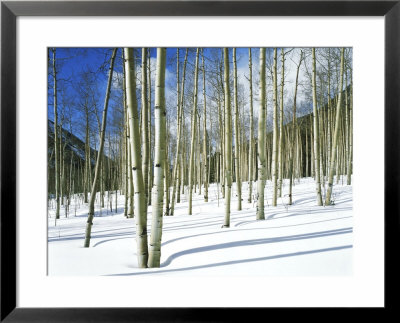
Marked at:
<point>145,143</point>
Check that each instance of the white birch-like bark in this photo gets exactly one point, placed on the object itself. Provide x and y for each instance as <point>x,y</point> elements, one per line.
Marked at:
<point>89,222</point>
<point>294,133</point>
<point>150,170</point>
<point>228,142</point>
<point>126,144</point>
<point>193,133</point>
<point>274,165</point>
<point>336,133</point>
<point>261,140</point>
<point>250,158</point>
<point>145,132</point>
<point>159,161</point>
<point>237,142</point>
<point>136,160</point>
<point>350,159</point>
<point>316,133</point>
<point>205,137</point>
<point>178,158</point>
<point>280,145</point>
<point>130,181</point>
<point>329,112</point>
<point>178,139</point>
<point>56,148</point>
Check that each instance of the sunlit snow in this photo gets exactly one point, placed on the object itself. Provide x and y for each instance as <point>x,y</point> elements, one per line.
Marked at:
<point>298,240</point>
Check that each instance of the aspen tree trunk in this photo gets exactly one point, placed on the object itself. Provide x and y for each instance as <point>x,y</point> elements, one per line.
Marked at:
<point>223,157</point>
<point>178,121</point>
<point>64,191</point>
<point>322,135</point>
<point>100,153</point>
<point>71,172</point>
<point>89,182</point>
<point>268,157</point>
<point>228,142</point>
<point>261,139</point>
<point>350,160</point>
<point>251,128</point>
<point>180,179</point>
<point>56,149</point>
<point>183,161</point>
<point>149,148</point>
<point>102,184</point>
<point>182,150</point>
<point>210,158</point>
<point>136,162</point>
<point>329,111</point>
<point>130,180</point>
<point>61,166</point>
<point>237,142</point>
<point>222,147</point>
<point>307,174</point>
<point>126,149</point>
<point>179,115</point>
<point>337,164</point>
<point>299,155</point>
<point>280,145</point>
<point>346,124</point>
<point>274,165</point>
<point>178,184</point>
<point>205,137</point>
<point>312,147</point>
<point>336,133</point>
<point>294,132</point>
<point>108,184</point>
<point>145,132</point>
<point>87,158</point>
<point>316,133</point>
<point>159,162</point>
<point>101,194</point>
<point>116,185</point>
<point>198,155</point>
<point>166,172</point>
<point>193,133</point>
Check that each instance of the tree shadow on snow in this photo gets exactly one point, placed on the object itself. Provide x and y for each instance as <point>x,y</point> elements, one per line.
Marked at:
<point>253,242</point>
<point>234,262</point>
<point>311,210</point>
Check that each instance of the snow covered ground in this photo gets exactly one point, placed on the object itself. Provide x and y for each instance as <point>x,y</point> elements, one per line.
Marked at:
<point>298,240</point>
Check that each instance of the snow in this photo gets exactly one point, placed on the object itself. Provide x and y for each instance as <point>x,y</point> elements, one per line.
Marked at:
<point>294,240</point>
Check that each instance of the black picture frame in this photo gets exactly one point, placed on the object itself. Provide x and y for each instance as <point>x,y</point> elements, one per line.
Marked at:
<point>10,10</point>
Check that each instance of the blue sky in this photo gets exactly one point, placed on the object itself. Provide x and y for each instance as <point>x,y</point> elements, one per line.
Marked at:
<point>72,62</point>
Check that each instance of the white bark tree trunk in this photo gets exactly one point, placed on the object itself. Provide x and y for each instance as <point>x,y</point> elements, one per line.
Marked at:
<point>237,142</point>
<point>316,133</point>
<point>294,133</point>
<point>280,153</point>
<point>136,160</point>
<point>193,133</point>
<point>261,140</point>
<point>336,133</point>
<point>228,142</point>
<point>274,166</point>
<point>178,157</point>
<point>145,133</point>
<point>205,137</point>
<point>159,161</point>
<point>250,158</point>
<point>56,148</point>
<point>89,222</point>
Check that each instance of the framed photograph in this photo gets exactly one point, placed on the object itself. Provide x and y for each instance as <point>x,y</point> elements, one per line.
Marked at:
<point>254,146</point>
